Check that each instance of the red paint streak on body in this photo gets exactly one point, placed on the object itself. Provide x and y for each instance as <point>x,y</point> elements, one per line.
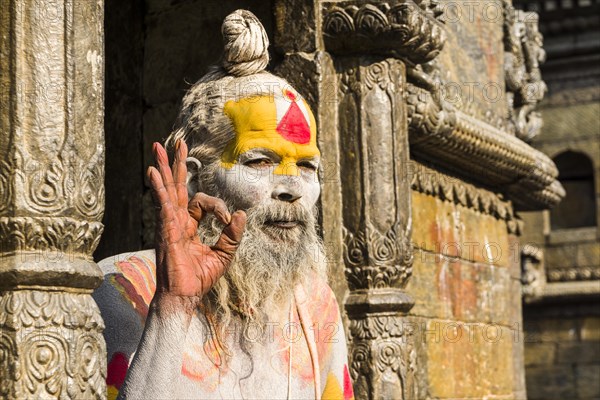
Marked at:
<point>141,273</point>
<point>136,282</point>
<point>129,292</point>
<point>117,370</point>
<point>348,390</point>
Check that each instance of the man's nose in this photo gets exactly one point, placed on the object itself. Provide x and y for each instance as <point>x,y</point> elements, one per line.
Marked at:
<point>286,193</point>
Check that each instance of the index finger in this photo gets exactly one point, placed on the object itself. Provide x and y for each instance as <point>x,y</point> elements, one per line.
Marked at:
<point>202,203</point>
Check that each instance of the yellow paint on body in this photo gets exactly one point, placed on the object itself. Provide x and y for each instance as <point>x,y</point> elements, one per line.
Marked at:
<point>333,390</point>
<point>255,122</point>
<point>111,392</point>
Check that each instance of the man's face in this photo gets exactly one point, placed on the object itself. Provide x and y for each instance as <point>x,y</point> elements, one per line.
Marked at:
<point>273,158</point>
<point>269,169</point>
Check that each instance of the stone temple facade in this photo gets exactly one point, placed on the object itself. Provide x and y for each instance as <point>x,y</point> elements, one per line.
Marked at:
<point>425,109</point>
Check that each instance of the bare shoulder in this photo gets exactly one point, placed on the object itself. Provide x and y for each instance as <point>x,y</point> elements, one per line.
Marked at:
<point>132,276</point>
<point>123,299</point>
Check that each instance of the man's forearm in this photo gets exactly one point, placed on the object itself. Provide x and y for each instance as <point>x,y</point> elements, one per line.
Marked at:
<point>157,362</point>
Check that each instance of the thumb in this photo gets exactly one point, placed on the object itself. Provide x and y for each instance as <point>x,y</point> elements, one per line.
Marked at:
<point>231,236</point>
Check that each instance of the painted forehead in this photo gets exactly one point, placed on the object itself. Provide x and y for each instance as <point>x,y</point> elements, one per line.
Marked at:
<point>281,122</point>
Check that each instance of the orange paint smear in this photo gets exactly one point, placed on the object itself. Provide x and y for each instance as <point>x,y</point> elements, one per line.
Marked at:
<point>203,364</point>
<point>136,282</point>
<point>324,312</point>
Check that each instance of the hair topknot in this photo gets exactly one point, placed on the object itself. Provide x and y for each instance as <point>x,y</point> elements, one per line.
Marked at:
<point>246,44</point>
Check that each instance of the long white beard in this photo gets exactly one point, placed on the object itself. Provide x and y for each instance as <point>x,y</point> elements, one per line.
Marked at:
<point>268,264</point>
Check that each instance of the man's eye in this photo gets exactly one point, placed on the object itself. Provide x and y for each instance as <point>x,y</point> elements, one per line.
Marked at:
<point>259,163</point>
<point>307,165</point>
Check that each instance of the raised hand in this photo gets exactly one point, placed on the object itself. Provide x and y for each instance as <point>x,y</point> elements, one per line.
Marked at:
<point>185,267</point>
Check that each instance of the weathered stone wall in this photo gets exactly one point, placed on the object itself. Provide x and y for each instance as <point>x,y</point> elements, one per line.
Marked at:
<point>467,313</point>
<point>472,62</point>
<point>562,352</point>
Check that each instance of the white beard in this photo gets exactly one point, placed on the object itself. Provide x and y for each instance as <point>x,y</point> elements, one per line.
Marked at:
<point>268,264</point>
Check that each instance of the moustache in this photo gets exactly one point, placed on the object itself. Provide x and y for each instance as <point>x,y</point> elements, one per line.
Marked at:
<point>280,214</point>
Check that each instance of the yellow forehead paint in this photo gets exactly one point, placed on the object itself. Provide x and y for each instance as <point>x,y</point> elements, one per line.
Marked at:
<point>281,123</point>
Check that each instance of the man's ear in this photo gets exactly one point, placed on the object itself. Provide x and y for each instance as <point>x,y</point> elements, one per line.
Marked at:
<point>193,176</point>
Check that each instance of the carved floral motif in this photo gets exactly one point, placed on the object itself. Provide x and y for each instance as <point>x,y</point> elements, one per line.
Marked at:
<point>66,361</point>
<point>51,198</point>
<point>57,187</point>
<point>47,233</point>
<point>377,260</point>
<point>378,253</point>
<point>399,28</point>
<point>383,345</point>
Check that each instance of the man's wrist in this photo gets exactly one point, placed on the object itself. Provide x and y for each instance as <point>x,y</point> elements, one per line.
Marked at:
<point>167,304</point>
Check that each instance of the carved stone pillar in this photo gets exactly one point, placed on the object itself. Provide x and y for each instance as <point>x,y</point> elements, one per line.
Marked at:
<point>377,227</point>
<point>51,198</point>
<point>371,42</point>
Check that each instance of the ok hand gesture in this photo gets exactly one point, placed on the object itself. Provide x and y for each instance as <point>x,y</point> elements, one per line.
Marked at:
<point>186,268</point>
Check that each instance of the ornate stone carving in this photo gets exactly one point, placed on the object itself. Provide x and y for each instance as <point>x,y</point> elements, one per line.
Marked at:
<point>573,274</point>
<point>47,234</point>
<point>484,153</point>
<point>51,199</point>
<point>376,209</point>
<point>383,357</point>
<point>428,115</point>
<point>533,273</point>
<point>389,256</point>
<point>56,340</point>
<point>55,187</point>
<point>401,29</point>
<point>376,218</point>
<point>523,54</point>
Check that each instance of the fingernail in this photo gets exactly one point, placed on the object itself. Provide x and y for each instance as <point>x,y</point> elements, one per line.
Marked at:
<point>177,144</point>
<point>225,217</point>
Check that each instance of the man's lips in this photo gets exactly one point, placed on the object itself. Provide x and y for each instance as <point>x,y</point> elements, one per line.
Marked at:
<point>283,224</point>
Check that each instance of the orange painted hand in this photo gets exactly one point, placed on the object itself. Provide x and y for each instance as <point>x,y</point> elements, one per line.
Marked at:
<point>186,267</point>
